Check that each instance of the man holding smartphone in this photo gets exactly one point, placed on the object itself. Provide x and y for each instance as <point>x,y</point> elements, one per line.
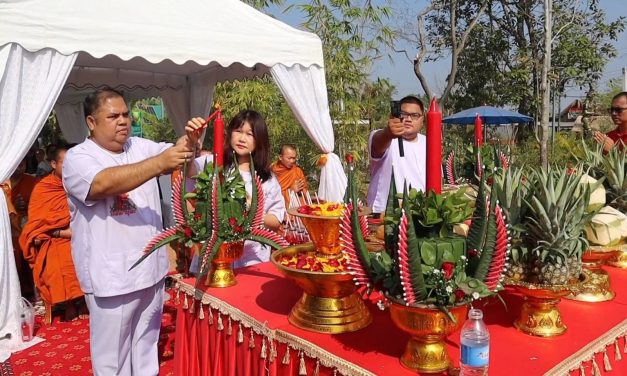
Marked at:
<point>386,156</point>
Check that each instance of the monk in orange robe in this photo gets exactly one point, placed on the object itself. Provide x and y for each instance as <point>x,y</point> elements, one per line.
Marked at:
<point>17,191</point>
<point>45,241</point>
<point>290,176</point>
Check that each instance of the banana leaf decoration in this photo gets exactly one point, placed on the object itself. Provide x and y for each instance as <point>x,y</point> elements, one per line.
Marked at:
<point>352,233</point>
<point>213,211</point>
<point>412,277</point>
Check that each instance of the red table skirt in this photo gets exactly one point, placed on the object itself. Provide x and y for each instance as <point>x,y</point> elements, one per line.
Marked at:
<point>243,330</point>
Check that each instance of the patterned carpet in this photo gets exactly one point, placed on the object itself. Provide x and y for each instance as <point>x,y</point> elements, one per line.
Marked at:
<point>65,351</point>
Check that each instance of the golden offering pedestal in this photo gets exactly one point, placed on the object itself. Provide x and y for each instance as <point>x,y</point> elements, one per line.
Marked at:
<point>539,314</point>
<point>597,288</point>
<point>329,303</point>
<point>428,327</point>
<point>221,272</point>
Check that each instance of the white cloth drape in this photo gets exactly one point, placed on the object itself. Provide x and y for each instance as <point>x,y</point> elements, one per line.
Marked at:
<point>190,101</point>
<point>30,83</point>
<point>304,90</point>
<point>71,118</point>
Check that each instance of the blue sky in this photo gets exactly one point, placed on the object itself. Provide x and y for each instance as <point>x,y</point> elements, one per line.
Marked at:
<point>400,71</point>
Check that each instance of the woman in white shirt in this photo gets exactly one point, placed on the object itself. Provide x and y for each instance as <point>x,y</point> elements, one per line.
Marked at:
<point>246,137</point>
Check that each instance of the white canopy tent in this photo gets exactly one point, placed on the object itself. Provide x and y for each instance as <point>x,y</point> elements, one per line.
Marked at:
<point>52,53</point>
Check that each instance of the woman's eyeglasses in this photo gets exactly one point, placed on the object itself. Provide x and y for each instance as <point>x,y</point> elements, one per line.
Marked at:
<point>616,110</point>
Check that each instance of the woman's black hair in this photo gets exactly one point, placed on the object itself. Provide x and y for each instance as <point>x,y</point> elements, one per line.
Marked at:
<point>261,154</point>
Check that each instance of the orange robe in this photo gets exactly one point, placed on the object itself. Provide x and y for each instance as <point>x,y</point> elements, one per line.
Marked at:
<point>53,268</point>
<point>24,189</point>
<point>287,177</point>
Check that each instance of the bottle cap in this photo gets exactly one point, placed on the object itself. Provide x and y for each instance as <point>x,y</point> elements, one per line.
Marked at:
<point>476,314</point>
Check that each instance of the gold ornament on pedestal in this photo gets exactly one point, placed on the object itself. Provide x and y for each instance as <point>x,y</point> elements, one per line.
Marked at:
<point>428,327</point>
<point>221,271</point>
<point>539,314</point>
<point>619,258</point>
<point>597,288</point>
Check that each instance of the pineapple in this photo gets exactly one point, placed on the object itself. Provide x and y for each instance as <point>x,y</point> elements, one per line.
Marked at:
<point>511,191</point>
<point>553,271</point>
<point>556,218</point>
<point>518,269</point>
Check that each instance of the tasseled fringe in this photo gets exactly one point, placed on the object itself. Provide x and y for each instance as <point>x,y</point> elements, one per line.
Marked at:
<point>617,355</point>
<point>177,299</point>
<point>317,370</point>
<point>582,371</point>
<point>201,314</point>
<point>302,368</point>
<point>606,361</point>
<point>595,367</point>
<point>273,353</point>
<point>185,301</point>
<point>334,371</point>
<point>191,309</point>
<point>286,357</point>
<point>210,315</point>
<point>240,333</point>
<point>220,325</point>
<point>229,329</point>
<point>251,341</point>
<point>263,348</point>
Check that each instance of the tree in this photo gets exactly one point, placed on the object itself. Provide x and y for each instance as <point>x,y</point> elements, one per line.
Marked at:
<point>505,51</point>
<point>449,24</point>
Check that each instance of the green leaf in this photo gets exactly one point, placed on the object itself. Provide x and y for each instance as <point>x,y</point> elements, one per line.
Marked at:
<point>428,252</point>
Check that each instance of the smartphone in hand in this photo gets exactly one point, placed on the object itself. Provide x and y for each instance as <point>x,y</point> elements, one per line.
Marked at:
<point>395,109</point>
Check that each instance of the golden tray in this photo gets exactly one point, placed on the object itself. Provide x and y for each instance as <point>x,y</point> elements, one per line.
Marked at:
<point>329,303</point>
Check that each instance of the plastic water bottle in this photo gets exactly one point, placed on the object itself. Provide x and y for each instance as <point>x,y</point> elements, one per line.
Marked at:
<point>475,342</point>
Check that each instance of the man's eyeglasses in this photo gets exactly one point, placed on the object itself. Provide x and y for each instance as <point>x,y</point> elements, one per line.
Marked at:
<point>410,115</point>
<point>616,110</point>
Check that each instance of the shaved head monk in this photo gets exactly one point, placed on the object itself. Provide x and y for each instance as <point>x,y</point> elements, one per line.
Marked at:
<point>45,242</point>
<point>290,176</point>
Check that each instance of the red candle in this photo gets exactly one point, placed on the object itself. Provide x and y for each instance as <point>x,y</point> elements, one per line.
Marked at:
<point>478,132</point>
<point>218,139</point>
<point>434,148</point>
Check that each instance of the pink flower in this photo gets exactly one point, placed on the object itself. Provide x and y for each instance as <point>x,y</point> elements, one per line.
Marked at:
<point>448,268</point>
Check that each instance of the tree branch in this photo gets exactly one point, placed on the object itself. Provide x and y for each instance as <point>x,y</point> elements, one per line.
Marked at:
<point>457,49</point>
<point>422,51</point>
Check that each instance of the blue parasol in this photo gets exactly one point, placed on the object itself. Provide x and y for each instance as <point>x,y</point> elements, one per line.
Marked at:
<point>489,115</point>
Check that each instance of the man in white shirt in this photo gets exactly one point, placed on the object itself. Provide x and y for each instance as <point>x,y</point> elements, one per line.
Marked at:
<point>115,210</point>
<point>385,157</point>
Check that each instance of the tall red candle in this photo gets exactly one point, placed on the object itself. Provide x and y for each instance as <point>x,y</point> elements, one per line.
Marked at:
<point>434,148</point>
<point>218,139</point>
<point>478,132</point>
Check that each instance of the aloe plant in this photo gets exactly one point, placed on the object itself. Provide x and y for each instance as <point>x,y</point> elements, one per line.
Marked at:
<point>614,168</point>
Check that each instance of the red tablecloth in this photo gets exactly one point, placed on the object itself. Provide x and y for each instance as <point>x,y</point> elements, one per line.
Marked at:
<point>243,330</point>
